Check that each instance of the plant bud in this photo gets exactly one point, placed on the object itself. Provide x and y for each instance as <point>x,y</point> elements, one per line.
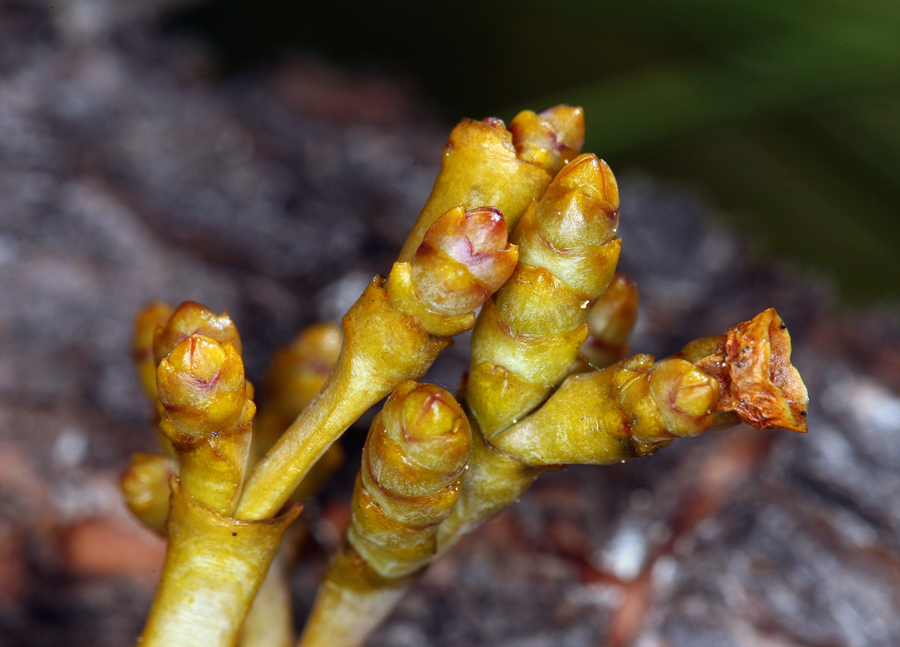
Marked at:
<point>571,231</point>
<point>298,371</point>
<point>202,388</point>
<point>145,323</point>
<point>193,318</point>
<point>550,138</point>
<point>463,259</point>
<point>753,364</point>
<point>611,321</point>
<point>612,317</point>
<point>145,485</point>
<point>581,205</point>
<point>686,397</point>
<point>422,441</point>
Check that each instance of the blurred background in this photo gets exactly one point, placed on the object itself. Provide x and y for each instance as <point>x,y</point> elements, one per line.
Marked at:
<point>266,158</point>
<point>786,115</point>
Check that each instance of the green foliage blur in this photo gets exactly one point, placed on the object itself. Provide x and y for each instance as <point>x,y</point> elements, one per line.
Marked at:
<point>785,113</point>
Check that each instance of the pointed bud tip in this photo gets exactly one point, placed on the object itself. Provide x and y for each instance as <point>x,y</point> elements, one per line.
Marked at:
<point>568,124</point>
<point>430,412</point>
<point>550,138</point>
<point>190,318</point>
<point>591,175</point>
<point>464,257</point>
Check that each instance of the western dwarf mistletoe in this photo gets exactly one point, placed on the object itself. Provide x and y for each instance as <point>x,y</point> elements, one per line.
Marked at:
<point>519,225</point>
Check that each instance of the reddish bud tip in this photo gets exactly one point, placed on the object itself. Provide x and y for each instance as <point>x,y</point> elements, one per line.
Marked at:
<point>550,138</point>
<point>201,386</point>
<point>193,318</point>
<point>463,259</point>
<point>430,427</point>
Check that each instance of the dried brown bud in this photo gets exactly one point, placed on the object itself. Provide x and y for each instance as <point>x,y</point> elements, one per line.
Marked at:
<point>463,259</point>
<point>193,318</point>
<point>753,364</point>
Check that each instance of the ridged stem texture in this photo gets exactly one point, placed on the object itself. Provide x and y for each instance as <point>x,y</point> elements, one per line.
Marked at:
<point>413,460</point>
<point>632,409</point>
<point>528,336</point>
<point>393,333</point>
<point>484,164</point>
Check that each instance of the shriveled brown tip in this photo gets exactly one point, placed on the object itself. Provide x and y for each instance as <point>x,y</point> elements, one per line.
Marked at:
<point>463,259</point>
<point>753,365</point>
<point>550,138</point>
<point>193,318</point>
<point>202,387</point>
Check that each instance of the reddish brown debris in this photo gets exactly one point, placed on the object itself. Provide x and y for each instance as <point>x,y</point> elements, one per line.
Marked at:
<point>753,365</point>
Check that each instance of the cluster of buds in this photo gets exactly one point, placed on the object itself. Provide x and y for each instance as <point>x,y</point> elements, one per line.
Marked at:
<point>520,225</point>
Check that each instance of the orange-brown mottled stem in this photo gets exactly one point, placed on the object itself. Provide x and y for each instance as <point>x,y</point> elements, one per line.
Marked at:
<point>145,485</point>
<point>393,333</point>
<point>528,336</point>
<point>486,164</point>
<point>412,464</point>
<point>610,323</point>
<point>208,418</point>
